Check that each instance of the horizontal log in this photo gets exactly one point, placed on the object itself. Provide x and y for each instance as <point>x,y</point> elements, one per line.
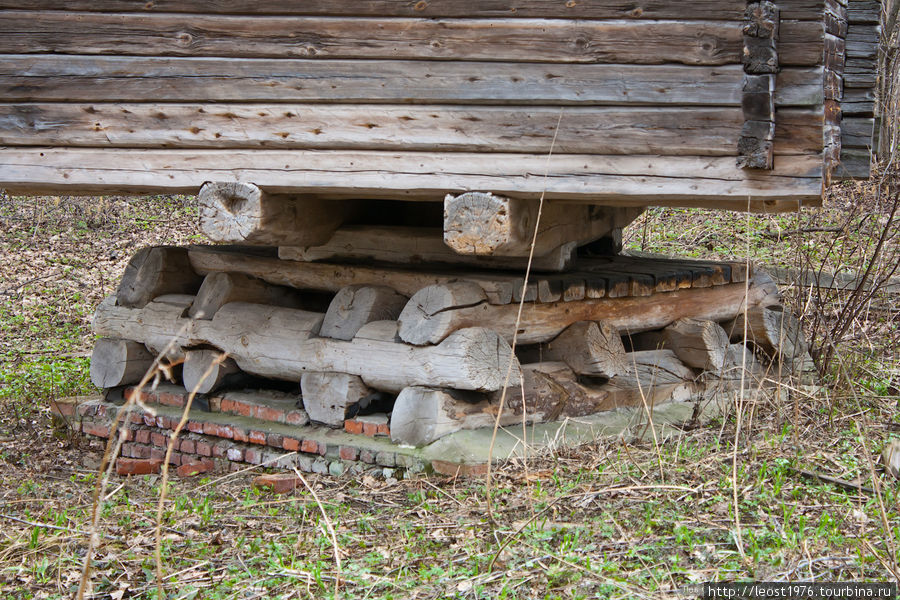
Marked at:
<point>155,271</point>
<point>329,397</point>
<point>116,362</point>
<point>543,322</point>
<point>857,132</point>
<point>727,10</point>
<point>538,40</point>
<point>36,78</point>
<point>855,164</point>
<point>334,277</point>
<point>587,347</point>
<point>357,305</point>
<point>219,289</point>
<point>646,130</point>
<point>651,368</point>
<point>614,180</point>
<point>277,343</point>
<point>205,371</point>
<point>414,246</point>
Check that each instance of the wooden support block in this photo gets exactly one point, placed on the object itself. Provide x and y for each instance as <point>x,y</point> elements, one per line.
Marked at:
<point>327,397</point>
<point>355,305</point>
<point>543,322</point>
<point>775,332</point>
<point>277,343</point>
<point>552,392</point>
<point>761,20</point>
<point>760,55</point>
<point>741,362</point>
<point>155,271</point>
<point>758,98</point>
<point>427,311</point>
<point>698,343</point>
<point>238,212</point>
<point>484,224</point>
<point>205,371</point>
<point>649,368</point>
<point>422,415</point>
<point>414,246</point>
<point>219,289</point>
<point>587,347</point>
<point>116,362</point>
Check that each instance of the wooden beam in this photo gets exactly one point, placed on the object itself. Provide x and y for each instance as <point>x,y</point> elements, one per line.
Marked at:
<point>41,78</point>
<point>543,322</point>
<point>415,246</point>
<point>155,271</point>
<point>356,305</point>
<point>240,212</point>
<point>219,289</point>
<point>652,368</point>
<point>700,344</point>
<point>668,130</point>
<point>116,362</point>
<point>775,332</point>
<point>486,224</point>
<point>328,397</point>
<point>205,371</point>
<point>587,347</point>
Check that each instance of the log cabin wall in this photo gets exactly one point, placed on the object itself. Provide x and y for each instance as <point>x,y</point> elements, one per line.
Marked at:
<point>640,101</point>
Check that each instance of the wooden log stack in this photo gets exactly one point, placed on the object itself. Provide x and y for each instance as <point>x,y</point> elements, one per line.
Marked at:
<point>431,347</point>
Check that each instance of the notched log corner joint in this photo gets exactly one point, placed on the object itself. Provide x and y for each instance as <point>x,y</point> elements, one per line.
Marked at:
<point>760,58</point>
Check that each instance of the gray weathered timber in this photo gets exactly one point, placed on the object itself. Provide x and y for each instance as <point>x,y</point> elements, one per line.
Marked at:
<point>36,78</point>
<point>116,362</point>
<point>412,246</point>
<point>637,130</point>
<point>327,397</point>
<point>155,271</point>
<point>698,343</point>
<point>608,9</point>
<point>515,40</point>
<point>205,371</point>
<point>482,223</point>
<point>356,305</point>
<point>591,348</point>
<point>614,180</point>
<point>652,368</point>
<point>219,289</point>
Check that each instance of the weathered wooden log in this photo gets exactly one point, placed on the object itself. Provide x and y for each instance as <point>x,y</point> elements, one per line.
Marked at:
<point>443,313</point>
<point>205,371</point>
<point>219,289</point>
<point>775,332</point>
<point>741,362</point>
<point>275,342</point>
<point>484,224</point>
<point>239,212</point>
<point>328,396</point>
<point>332,277</point>
<point>155,271</point>
<point>698,343</point>
<point>415,245</point>
<point>552,391</point>
<point>587,347</point>
<point>650,368</point>
<point>422,415</point>
<point>356,305</point>
<point>116,362</point>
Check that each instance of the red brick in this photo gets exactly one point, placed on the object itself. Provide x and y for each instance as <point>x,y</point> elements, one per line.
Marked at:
<point>258,437</point>
<point>275,440</point>
<point>349,453</point>
<point>267,413</point>
<point>195,426</point>
<point>210,429</point>
<point>353,426</point>
<point>279,483</point>
<point>234,454</point>
<point>289,443</point>
<point>220,449</point>
<point>158,439</point>
<point>162,422</point>
<point>253,456</point>
<point>137,466</point>
<point>204,448</point>
<point>370,429</point>
<point>296,417</point>
<point>188,446</point>
<point>170,399</point>
<point>367,456</point>
<point>240,434</point>
<point>226,431</point>
<point>142,436</point>
<point>157,453</point>
<point>243,409</point>
<point>311,446</point>
<point>384,429</point>
<point>226,406</point>
<point>137,418</point>
<point>195,468</point>
<point>175,458</point>
<point>141,451</point>
<point>97,429</point>
<point>127,450</point>
<point>63,408</point>
<point>149,420</point>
